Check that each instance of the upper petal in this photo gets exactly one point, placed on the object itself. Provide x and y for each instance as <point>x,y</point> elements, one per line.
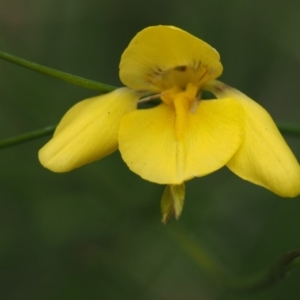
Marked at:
<point>88,131</point>
<point>159,56</point>
<point>264,158</point>
<point>149,145</point>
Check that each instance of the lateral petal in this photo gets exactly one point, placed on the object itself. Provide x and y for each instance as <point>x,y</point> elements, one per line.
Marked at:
<point>88,131</point>
<point>150,147</point>
<point>264,157</point>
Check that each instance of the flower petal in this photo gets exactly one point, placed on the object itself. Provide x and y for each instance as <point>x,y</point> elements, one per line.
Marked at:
<point>88,131</point>
<point>159,57</point>
<point>149,146</point>
<point>264,157</point>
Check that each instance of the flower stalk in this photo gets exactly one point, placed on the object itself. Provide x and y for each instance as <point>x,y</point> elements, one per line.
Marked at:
<point>271,275</point>
<point>76,80</point>
<point>26,137</point>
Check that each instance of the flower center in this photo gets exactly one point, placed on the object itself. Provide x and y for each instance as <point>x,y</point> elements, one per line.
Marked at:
<point>180,76</point>
<point>176,96</point>
<point>183,102</point>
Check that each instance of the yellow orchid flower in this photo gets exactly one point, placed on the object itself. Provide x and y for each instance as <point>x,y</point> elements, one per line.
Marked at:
<point>184,136</point>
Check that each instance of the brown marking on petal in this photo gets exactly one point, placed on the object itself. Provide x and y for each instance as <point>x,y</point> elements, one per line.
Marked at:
<point>196,64</point>
<point>222,87</point>
<point>181,68</point>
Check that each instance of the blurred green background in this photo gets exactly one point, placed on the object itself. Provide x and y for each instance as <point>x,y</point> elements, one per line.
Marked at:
<point>95,233</point>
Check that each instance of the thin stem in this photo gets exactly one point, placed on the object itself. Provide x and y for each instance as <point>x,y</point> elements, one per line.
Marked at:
<point>198,254</point>
<point>76,80</point>
<point>253,283</point>
<point>289,129</point>
<point>277,271</point>
<point>26,137</point>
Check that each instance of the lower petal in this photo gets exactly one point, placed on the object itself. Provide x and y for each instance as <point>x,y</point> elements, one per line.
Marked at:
<point>88,131</point>
<point>150,147</point>
<point>264,157</point>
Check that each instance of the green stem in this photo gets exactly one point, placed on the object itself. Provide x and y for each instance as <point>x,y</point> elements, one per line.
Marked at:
<point>277,271</point>
<point>26,137</point>
<point>199,255</point>
<point>286,129</point>
<point>289,129</point>
<point>76,80</point>
<point>253,283</point>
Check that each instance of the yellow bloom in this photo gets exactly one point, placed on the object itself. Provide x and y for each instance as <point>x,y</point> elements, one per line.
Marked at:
<point>182,137</point>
